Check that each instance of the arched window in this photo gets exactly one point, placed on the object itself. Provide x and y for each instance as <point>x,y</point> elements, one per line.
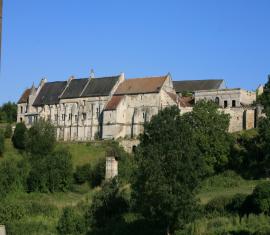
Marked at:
<point>217,100</point>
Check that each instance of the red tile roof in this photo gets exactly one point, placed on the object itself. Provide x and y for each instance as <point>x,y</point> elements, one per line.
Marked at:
<point>173,96</point>
<point>114,102</point>
<point>141,85</point>
<point>186,101</point>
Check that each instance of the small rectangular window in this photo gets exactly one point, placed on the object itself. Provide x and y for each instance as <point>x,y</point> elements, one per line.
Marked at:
<point>233,103</point>
<point>225,103</point>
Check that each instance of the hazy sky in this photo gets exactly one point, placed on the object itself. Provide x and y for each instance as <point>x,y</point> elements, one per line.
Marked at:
<point>191,39</point>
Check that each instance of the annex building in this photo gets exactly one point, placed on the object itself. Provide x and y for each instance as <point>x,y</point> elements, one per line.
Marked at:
<point>115,107</point>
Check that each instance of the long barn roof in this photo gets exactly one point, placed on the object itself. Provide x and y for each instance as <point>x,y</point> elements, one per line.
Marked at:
<point>196,85</point>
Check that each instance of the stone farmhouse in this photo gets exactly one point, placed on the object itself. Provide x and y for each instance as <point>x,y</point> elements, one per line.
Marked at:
<point>114,107</point>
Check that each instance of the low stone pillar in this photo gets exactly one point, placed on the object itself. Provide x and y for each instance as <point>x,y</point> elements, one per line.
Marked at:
<point>2,230</point>
<point>111,167</point>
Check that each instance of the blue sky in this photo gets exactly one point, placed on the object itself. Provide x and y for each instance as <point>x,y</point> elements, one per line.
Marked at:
<point>191,39</point>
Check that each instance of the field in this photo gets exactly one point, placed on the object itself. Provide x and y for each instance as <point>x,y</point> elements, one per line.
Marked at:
<point>44,219</point>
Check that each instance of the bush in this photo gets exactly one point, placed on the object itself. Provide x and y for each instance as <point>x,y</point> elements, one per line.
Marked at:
<point>236,206</point>
<point>2,143</point>
<point>8,131</point>
<point>108,205</point>
<point>19,136</point>
<point>13,175</point>
<point>41,138</point>
<point>83,173</point>
<point>218,205</point>
<point>260,199</point>
<point>71,222</point>
<point>11,212</point>
<point>98,173</point>
<point>51,173</point>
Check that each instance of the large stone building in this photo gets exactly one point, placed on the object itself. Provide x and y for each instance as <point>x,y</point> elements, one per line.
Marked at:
<point>114,107</point>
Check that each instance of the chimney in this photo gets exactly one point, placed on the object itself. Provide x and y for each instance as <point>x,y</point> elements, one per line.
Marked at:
<point>42,82</point>
<point>92,73</point>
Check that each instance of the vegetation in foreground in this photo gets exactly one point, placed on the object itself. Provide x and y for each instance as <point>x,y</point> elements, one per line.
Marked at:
<point>183,179</point>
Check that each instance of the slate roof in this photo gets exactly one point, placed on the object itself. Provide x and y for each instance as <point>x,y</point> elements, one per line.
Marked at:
<point>25,96</point>
<point>100,86</point>
<point>114,102</point>
<point>49,93</point>
<point>74,88</point>
<point>196,85</point>
<point>141,85</point>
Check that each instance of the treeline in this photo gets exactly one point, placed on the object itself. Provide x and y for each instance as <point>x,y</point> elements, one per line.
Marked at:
<point>8,112</point>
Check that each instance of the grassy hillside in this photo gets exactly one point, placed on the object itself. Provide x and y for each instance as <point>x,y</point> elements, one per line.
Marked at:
<point>44,209</point>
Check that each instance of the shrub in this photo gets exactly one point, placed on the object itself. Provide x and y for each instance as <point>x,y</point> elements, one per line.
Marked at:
<point>41,138</point>
<point>260,198</point>
<point>18,138</point>
<point>2,143</point>
<point>13,175</point>
<point>218,205</point>
<point>98,173</point>
<point>8,131</point>
<point>108,205</point>
<point>83,173</point>
<point>11,212</point>
<point>236,206</point>
<point>51,173</point>
<point>71,222</point>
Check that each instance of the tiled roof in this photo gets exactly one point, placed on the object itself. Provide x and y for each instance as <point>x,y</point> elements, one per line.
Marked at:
<point>25,96</point>
<point>74,88</point>
<point>141,85</point>
<point>173,96</point>
<point>196,85</point>
<point>114,102</point>
<point>49,93</point>
<point>186,101</point>
<point>100,86</point>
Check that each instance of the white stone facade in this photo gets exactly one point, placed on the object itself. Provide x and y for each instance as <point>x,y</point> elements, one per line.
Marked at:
<point>118,108</point>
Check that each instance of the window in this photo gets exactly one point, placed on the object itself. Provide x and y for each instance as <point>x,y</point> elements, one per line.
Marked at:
<point>20,119</point>
<point>63,117</point>
<point>55,117</point>
<point>225,103</point>
<point>76,118</point>
<point>84,116</point>
<point>69,116</point>
<point>233,103</point>
<point>217,100</point>
<point>21,109</point>
<point>143,115</point>
<point>141,97</point>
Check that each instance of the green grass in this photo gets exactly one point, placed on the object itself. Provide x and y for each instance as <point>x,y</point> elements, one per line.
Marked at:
<point>226,184</point>
<point>83,153</point>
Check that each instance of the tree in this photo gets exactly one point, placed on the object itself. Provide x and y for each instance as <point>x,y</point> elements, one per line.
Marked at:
<point>71,222</point>
<point>41,138</point>
<point>8,131</point>
<point>13,175</point>
<point>18,138</point>
<point>2,143</point>
<point>53,172</point>
<point>264,98</point>
<point>107,206</point>
<point>168,170</point>
<point>212,137</point>
<point>9,112</point>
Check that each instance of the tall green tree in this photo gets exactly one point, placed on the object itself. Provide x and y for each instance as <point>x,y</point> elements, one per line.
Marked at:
<point>2,143</point>
<point>264,98</point>
<point>211,132</point>
<point>41,138</point>
<point>19,136</point>
<point>8,112</point>
<point>168,170</point>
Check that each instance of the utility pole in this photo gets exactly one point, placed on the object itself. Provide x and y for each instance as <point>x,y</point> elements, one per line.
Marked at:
<point>1,8</point>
